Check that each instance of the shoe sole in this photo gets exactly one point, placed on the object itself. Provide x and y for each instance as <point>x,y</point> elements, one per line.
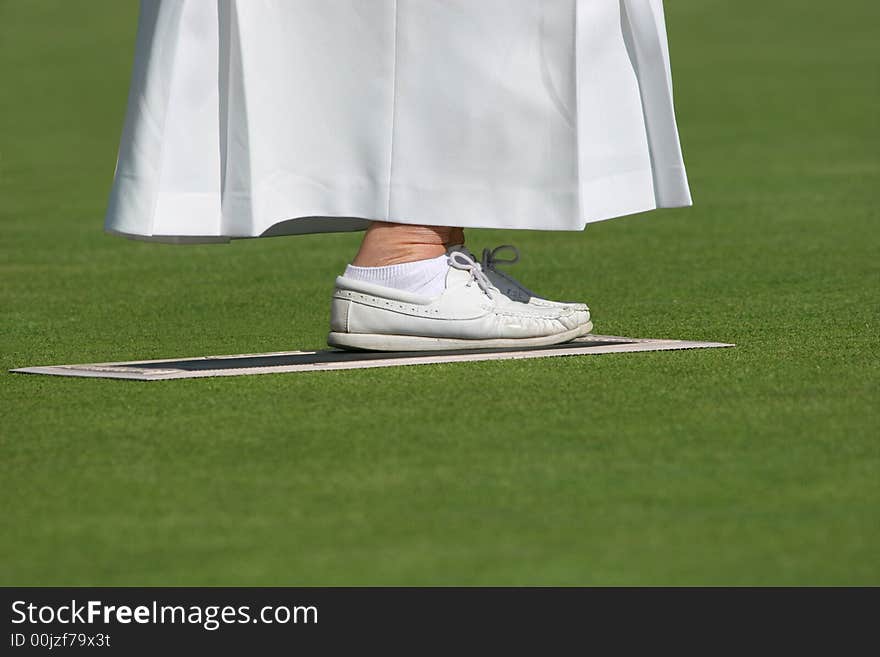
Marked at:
<point>379,342</point>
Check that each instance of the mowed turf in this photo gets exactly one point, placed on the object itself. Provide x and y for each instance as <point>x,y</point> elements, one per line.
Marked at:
<point>753,465</point>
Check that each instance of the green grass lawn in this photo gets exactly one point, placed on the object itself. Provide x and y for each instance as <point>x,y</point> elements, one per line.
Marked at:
<point>753,465</point>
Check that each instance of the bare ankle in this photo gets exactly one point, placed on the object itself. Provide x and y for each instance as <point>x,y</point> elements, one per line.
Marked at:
<point>391,244</point>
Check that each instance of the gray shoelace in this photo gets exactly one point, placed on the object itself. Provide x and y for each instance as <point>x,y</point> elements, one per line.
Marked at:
<point>490,262</point>
<point>461,260</point>
<point>490,258</point>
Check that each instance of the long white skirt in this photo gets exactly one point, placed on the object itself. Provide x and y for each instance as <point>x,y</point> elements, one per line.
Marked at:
<point>252,118</point>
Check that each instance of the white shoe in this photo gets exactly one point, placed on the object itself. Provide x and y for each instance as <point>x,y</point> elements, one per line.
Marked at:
<point>470,314</point>
<point>516,291</point>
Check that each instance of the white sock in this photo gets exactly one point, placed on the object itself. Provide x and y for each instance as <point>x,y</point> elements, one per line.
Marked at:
<point>425,277</point>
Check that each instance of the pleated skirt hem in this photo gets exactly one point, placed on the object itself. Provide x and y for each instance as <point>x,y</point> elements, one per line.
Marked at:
<point>306,210</point>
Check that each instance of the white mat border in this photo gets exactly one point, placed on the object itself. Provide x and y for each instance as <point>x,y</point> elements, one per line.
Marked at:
<point>118,370</point>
